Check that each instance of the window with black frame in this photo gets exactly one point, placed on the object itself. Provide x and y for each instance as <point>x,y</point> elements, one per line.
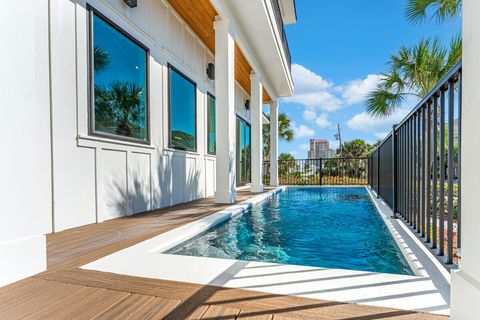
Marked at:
<point>119,94</point>
<point>182,116</point>
<point>211,139</point>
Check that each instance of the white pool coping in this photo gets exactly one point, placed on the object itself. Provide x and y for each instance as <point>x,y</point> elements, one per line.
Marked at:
<point>427,291</point>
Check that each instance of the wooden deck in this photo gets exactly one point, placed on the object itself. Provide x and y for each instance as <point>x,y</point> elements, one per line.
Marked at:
<point>66,292</point>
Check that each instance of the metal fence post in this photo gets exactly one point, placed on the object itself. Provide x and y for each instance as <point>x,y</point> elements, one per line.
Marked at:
<point>321,171</point>
<point>378,173</point>
<point>394,172</point>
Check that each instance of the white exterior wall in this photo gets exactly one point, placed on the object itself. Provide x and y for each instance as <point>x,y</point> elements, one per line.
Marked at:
<point>25,166</point>
<point>240,96</point>
<point>466,281</point>
<point>96,179</point>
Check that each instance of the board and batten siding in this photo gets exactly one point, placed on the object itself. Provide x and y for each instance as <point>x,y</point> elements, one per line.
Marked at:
<point>96,179</point>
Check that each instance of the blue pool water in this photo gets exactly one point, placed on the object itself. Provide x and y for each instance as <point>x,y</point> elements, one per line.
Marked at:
<point>322,227</point>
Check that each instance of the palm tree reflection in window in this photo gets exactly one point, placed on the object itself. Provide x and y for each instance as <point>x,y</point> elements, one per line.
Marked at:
<point>119,76</point>
<point>120,105</point>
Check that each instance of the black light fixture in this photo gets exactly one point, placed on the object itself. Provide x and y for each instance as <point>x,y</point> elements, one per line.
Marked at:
<point>211,71</point>
<point>247,104</point>
<point>131,3</point>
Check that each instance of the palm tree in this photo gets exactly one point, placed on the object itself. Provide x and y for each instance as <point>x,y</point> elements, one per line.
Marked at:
<point>120,105</point>
<point>356,149</point>
<point>285,162</point>
<point>414,71</point>
<point>285,132</point>
<point>417,10</point>
<point>285,157</point>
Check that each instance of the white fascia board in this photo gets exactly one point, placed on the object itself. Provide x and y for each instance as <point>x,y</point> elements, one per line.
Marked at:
<point>289,13</point>
<point>239,35</point>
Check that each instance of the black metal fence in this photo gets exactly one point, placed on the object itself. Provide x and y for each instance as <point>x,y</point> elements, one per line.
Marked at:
<point>325,171</point>
<point>416,169</point>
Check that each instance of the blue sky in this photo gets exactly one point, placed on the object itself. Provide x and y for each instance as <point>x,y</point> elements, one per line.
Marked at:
<point>339,48</point>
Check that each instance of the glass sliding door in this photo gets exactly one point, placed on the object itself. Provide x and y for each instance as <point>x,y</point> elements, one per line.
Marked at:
<point>243,152</point>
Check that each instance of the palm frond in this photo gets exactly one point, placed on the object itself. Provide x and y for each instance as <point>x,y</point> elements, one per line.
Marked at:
<point>418,11</point>
<point>101,59</point>
<point>413,71</point>
<point>381,102</point>
<point>454,54</point>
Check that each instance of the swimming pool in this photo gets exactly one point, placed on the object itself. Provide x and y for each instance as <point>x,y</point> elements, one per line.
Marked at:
<point>321,227</point>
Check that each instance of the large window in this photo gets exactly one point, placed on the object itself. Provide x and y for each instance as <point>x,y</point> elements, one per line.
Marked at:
<point>119,94</point>
<point>183,102</point>
<point>211,140</point>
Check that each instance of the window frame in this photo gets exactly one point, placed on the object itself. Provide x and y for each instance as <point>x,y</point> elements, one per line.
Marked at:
<point>215,132</point>
<point>183,75</point>
<point>247,124</point>
<point>91,83</point>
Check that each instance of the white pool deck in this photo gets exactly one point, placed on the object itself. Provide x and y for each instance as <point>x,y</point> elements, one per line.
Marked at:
<point>427,291</point>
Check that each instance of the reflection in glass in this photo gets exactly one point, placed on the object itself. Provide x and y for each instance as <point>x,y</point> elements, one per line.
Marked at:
<point>247,152</point>
<point>119,82</point>
<point>182,112</point>
<point>243,153</point>
<point>211,140</point>
<point>239,155</point>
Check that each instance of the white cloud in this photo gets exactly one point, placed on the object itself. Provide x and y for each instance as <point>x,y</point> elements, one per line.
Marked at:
<point>365,122</point>
<point>308,81</point>
<point>356,90</point>
<point>320,99</point>
<point>302,131</point>
<point>304,146</point>
<point>313,91</point>
<point>322,121</point>
<point>293,153</point>
<point>309,115</point>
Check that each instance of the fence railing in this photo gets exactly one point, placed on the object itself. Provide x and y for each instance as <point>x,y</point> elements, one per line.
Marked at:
<point>324,171</point>
<point>416,169</point>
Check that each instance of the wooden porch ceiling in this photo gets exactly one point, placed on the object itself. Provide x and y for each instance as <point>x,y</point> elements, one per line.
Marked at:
<point>200,15</point>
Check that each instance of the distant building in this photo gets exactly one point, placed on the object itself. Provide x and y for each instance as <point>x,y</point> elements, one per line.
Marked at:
<point>320,148</point>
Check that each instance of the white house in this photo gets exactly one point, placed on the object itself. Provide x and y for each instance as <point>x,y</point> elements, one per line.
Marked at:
<point>113,107</point>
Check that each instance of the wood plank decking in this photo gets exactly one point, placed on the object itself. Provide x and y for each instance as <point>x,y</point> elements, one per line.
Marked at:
<point>66,292</point>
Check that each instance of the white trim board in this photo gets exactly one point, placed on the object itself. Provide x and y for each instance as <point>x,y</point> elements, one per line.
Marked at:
<point>427,293</point>
<point>22,258</point>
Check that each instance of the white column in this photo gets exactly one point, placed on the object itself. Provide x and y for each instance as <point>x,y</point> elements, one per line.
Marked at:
<point>225,113</point>
<point>274,143</point>
<point>257,138</point>
<point>466,280</point>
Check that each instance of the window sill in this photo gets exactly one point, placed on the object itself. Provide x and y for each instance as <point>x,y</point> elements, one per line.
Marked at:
<point>167,151</point>
<point>85,141</point>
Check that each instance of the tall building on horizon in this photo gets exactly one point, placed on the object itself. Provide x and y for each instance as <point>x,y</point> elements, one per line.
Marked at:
<point>320,148</point>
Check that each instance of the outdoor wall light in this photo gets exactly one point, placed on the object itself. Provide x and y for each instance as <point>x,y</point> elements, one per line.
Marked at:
<point>211,71</point>
<point>247,104</point>
<point>131,3</point>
